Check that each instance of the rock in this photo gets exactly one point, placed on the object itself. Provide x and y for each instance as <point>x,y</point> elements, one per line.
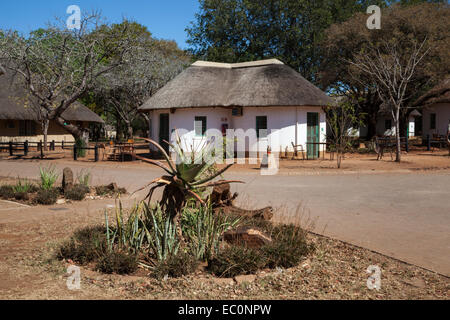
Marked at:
<point>245,279</point>
<point>250,237</point>
<point>223,281</point>
<point>113,186</point>
<point>221,195</point>
<point>60,201</point>
<point>264,214</point>
<point>67,181</point>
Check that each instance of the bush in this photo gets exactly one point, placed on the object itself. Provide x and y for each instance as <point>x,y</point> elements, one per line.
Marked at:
<point>176,266</point>
<point>48,177</point>
<point>236,260</point>
<point>47,197</point>
<point>77,192</point>
<point>6,192</point>
<point>86,245</point>
<point>81,144</point>
<point>288,247</point>
<point>102,190</point>
<point>117,262</point>
<point>24,186</point>
<point>21,196</point>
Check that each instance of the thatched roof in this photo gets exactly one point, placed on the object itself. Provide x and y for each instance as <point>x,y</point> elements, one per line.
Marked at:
<point>439,94</point>
<point>260,83</point>
<point>14,105</point>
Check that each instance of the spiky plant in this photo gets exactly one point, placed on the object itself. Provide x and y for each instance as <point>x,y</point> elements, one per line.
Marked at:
<point>190,176</point>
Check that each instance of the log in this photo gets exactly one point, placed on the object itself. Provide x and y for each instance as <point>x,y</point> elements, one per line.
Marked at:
<point>247,236</point>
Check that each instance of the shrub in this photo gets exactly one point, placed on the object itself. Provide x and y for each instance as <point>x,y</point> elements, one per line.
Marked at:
<point>47,196</point>
<point>288,247</point>
<point>6,192</point>
<point>176,266</point>
<point>84,178</point>
<point>24,186</point>
<point>236,260</point>
<point>21,196</point>
<point>48,177</point>
<point>81,144</point>
<point>77,192</point>
<point>84,246</point>
<point>117,262</point>
<point>102,190</point>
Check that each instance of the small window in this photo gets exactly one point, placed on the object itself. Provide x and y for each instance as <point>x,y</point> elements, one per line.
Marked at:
<point>261,127</point>
<point>9,124</point>
<point>200,126</point>
<point>432,121</point>
<point>387,124</point>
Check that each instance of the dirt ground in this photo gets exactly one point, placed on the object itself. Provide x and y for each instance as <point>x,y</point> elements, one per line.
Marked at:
<point>335,271</point>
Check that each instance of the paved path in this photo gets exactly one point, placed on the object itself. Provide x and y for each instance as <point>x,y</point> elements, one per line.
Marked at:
<point>406,216</point>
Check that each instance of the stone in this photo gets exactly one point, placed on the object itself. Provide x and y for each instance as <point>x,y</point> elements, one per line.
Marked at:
<point>264,213</point>
<point>67,181</point>
<point>113,186</point>
<point>245,279</point>
<point>60,201</point>
<point>250,237</point>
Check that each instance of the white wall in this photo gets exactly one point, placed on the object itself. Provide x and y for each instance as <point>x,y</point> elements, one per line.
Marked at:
<point>281,123</point>
<point>442,111</point>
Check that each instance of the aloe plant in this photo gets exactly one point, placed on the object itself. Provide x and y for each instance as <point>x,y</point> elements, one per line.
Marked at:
<point>184,180</point>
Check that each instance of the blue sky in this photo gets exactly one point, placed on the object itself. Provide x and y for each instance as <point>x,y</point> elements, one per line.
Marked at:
<point>165,19</point>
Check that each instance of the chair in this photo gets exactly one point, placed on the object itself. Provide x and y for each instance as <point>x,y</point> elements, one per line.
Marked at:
<point>298,148</point>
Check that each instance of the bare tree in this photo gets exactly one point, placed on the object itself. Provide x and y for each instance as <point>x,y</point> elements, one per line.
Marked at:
<point>57,66</point>
<point>342,122</point>
<point>387,65</point>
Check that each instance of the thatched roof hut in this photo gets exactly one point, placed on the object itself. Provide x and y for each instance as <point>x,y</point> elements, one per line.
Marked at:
<point>14,101</point>
<point>267,83</point>
<point>438,94</point>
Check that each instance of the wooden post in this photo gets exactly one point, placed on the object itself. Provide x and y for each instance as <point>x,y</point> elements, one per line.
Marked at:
<point>41,145</point>
<point>25,148</point>
<point>62,144</point>
<point>11,153</point>
<point>75,152</point>
<point>52,145</point>
<point>96,153</point>
<point>428,143</point>
<point>407,143</point>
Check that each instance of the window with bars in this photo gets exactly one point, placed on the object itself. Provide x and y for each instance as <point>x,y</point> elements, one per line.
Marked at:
<point>261,127</point>
<point>200,126</point>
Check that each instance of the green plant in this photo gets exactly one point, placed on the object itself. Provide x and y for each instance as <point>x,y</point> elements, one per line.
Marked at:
<point>80,146</point>
<point>6,191</point>
<point>236,260</point>
<point>175,266</point>
<point>24,186</point>
<point>288,247</point>
<point>118,262</point>
<point>77,192</point>
<point>48,177</point>
<point>191,174</point>
<point>47,196</point>
<point>86,245</point>
<point>84,177</point>
<point>204,229</point>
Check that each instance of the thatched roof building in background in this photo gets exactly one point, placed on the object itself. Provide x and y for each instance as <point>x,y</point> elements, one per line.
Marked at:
<point>266,83</point>
<point>439,94</point>
<point>13,100</point>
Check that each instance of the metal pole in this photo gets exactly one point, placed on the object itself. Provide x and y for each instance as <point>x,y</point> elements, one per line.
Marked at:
<point>428,143</point>
<point>75,152</point>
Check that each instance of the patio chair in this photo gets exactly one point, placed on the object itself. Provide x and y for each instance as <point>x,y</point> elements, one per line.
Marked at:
<point>298,148</point>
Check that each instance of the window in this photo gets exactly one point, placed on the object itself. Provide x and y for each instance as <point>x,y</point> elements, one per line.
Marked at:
<point>261,127</point>
<point>387,124</point>
<point>27,128</point>
<point>432,121</point>
<point>200,126</point>
<point>9,124</point>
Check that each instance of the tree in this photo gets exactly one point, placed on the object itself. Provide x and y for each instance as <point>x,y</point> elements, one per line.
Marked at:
<point>149,65</point>
<point>341,121</point>
<point>242,30</point>
<point>346,40</point>
<point>57,66</point>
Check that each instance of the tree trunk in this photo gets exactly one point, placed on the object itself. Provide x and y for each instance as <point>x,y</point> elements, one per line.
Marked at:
<point>45,124</point>
<point>75,131</point>
<point>129,129</point>
<point>397,135</point>
<point>371,126</point>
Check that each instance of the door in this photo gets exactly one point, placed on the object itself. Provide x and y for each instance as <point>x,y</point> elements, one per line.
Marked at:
<point>312,134</point>
<point>164,130</point>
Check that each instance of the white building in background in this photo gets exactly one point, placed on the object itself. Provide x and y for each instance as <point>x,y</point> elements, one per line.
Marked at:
<point>273,105</point>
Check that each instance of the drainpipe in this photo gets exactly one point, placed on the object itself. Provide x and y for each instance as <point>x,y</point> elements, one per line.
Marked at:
<point>296,126</point>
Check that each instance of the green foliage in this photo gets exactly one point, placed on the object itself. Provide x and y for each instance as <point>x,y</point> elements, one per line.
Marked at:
<point>289,246</point>
<point>175,266</point>
<point>86,245</point>
<point>48,177</point>
<point>81,145</point>
<point>47,196</point>
<point>24,186</point>
<point>203,230</point>
<point>6,191</point>
<point>117,262</point>
<point>77,192</point>
<point>236,260</point>
<point>84,178</point>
